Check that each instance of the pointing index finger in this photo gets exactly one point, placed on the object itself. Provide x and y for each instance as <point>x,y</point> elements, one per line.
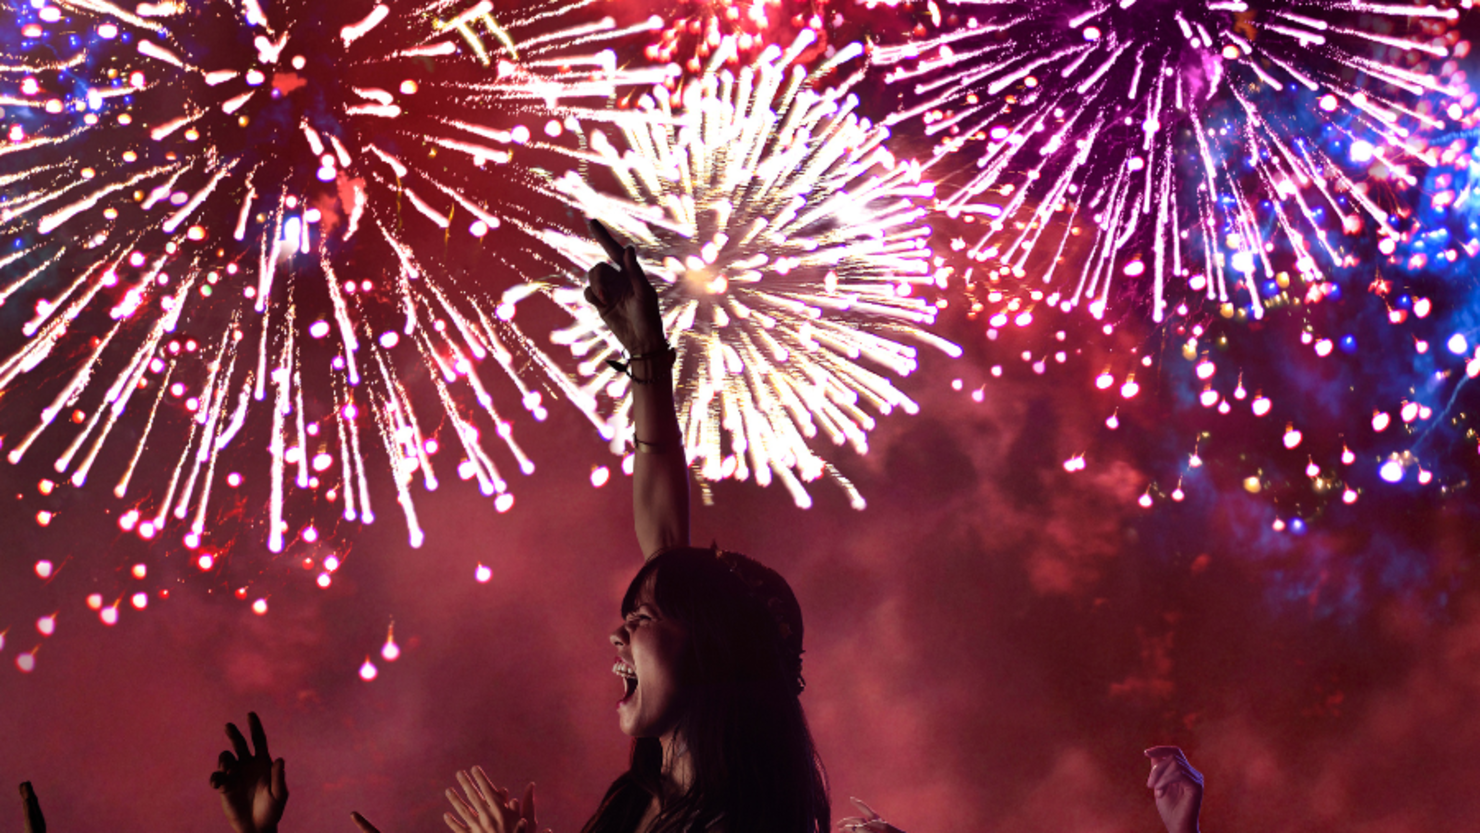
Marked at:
<point>607,241</point>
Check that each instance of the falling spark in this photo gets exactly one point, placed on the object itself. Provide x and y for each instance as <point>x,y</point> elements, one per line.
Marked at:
<point>390,651</point>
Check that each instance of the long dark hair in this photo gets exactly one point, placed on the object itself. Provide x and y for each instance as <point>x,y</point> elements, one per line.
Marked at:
<point>754,764</point>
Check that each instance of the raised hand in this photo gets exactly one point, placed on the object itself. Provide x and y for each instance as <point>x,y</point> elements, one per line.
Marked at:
<point>1177,788</point>
<point>489,809</point>
<point>869,822</point>
<point>624,296</point>
<point>34,822</point>
<point>253,787</point>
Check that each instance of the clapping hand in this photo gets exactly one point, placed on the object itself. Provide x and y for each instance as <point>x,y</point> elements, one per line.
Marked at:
<point>252,786</point>
<point>1177,787</point>
<point>624,296</point>
<point>869,822</point>
<point>489,809</point>
<point>34,822</point>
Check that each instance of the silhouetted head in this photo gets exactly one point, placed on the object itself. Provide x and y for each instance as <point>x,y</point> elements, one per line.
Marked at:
<point>711,642</point>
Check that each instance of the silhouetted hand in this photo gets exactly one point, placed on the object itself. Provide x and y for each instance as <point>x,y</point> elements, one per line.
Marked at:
<point>489,809</point>
<point>253,787</point>
<point>1177,787</point>
<point>624,296</point>
<point>869,822</point>
<point>32,808</point>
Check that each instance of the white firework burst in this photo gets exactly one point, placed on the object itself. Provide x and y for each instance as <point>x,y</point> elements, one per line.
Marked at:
<point>788,248</point>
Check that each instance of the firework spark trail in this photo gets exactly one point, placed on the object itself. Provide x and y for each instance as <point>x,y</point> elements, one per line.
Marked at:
<point>787,248</point>
<point>1142,122</point>
<point>236,200</point>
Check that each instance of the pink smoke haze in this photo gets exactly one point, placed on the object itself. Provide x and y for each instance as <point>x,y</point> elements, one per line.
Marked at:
<point>990,645</point>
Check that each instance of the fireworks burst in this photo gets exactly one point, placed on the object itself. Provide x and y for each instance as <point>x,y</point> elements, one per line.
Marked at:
<point>1171,144</point>
<point>1365,396</point>
<point>786,246</point>
<point>235,224</point>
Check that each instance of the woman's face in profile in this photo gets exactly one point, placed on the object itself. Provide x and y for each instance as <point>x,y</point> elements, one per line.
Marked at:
<point>650,652</point>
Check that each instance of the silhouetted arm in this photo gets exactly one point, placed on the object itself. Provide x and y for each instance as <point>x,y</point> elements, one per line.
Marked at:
<point>660,479</point>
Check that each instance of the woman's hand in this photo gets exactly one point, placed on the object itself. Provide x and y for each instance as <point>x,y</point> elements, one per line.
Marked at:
<point>253,786</point>
<point>624,296</point>
<point>1177,787</point>
<point>489,809</point>
<point>869,822</point>
<point>35,823</point>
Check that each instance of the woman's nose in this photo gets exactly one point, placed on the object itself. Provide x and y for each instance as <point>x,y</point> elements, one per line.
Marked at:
<point>619,636</point>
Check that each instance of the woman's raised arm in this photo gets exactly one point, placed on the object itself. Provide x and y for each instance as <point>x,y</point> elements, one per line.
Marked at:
<point>660,479</point>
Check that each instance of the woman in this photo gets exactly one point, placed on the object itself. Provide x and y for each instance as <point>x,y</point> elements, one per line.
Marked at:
<point>709,651</point>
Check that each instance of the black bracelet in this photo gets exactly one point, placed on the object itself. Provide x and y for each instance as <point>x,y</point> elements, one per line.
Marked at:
<point>667,353</point>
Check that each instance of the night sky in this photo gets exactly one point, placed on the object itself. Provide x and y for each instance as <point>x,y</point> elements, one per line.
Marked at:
<point>990,644</point>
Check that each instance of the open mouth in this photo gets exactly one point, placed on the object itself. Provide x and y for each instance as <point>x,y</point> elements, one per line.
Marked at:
<point>629,680</point>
